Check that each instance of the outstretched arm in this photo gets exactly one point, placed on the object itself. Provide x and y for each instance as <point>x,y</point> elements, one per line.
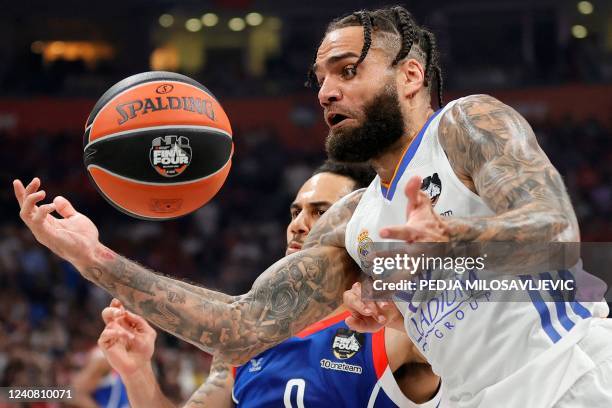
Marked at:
<point>493,149</point>
<point>293,293</point>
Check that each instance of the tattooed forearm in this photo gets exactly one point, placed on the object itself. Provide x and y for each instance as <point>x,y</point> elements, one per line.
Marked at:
<point>216,392</point>
<point>494,151</point>
<point>293,293</point>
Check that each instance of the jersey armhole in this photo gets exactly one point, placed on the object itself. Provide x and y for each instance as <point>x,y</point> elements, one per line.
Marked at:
<point>379,353</point>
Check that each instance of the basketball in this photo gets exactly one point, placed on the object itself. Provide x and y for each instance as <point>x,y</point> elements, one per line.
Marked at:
<point>157,145</point>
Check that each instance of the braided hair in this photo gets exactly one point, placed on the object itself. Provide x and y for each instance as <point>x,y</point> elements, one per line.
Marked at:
<point>397,21</point>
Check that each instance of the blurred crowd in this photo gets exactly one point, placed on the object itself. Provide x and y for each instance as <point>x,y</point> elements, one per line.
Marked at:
<point>50,316</point>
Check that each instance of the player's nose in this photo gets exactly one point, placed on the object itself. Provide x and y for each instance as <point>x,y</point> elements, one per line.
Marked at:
<point>299,225</point>
<point>329,93</point>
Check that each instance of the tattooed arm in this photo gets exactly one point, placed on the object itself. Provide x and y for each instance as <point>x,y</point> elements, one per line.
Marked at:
<point>291,294</point>
<point>216,392</point>
<point>494,151</point>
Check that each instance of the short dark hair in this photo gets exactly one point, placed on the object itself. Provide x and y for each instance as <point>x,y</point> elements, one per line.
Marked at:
<point>362,174</point>
<point>398,21</point>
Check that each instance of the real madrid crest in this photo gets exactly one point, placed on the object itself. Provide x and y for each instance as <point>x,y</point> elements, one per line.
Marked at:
<point>347,343</point>
<point>365,247</point>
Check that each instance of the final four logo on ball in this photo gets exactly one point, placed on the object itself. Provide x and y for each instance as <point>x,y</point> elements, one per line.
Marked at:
<point>170,155</point>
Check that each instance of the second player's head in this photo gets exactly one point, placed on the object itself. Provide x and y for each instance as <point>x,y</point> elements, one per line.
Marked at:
<point>372,69</point>
<point>328,184</point>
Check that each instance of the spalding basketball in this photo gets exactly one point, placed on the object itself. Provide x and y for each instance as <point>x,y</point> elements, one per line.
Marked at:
<point>158,145</point>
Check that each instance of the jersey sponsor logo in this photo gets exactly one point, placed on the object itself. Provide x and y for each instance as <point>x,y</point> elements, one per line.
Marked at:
<point>443,313</point>
<point>432,186</point>
<point>256,365</point>
<point>170,155</point>
<point>341,366</point>
<point>365,246</point>
<point>346,343</point>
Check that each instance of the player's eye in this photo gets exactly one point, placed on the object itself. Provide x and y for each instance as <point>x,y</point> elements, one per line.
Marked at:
<point>319,213</point>
<point>349,71</point>
<point>294,214</point>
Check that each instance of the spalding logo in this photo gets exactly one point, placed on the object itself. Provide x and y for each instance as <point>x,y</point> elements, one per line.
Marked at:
<point>170,155</point>
<point>130,109</point>
<point>164,89</point>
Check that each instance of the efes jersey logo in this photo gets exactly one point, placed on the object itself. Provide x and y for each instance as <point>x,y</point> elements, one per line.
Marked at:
<point>432,186</point>
<point>365,246</point>
<point>170,155</point>
<point>347,343</point>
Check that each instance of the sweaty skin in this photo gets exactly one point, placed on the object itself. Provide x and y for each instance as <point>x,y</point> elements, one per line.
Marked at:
<point>487,143</point>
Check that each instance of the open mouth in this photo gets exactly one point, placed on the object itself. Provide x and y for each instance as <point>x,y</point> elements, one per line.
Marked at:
<point>336,118</point>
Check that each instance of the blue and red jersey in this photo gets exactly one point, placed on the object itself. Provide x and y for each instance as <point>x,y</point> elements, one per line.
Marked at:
<point>325,365</point>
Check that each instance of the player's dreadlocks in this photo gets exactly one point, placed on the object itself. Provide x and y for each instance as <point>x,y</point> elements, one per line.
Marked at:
<point>396,21</point>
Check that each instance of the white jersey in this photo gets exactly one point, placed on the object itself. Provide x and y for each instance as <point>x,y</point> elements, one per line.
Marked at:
<point>488,353</point>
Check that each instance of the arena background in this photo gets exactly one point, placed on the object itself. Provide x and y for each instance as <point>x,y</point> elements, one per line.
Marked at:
<point>551,60</point>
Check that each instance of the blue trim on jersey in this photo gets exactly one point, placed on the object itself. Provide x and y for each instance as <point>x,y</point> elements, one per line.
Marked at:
<point>405,161</point>
<point>557,296</point>
<point>576,307</point>
<point>540,306</point>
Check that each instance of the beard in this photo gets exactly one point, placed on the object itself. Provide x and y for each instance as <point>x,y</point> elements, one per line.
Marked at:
<point>383,125</point>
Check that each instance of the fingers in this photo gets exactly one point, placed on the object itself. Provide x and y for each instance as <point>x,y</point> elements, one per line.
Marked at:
<point>137,322</point>
<point>363,325</point>
<point>107,339</point>
<point>28,207</point>
<point>110,314</point>
<point>113,334</point>
<point>384,305</point>
<point>352,300</point>
<point>19,191</point>
<point>414,194</point>
<point>400,232</point>
<point>357,306</point>
<point>116,303</point>
<point>129,321</point>
<point>63,207</point>
<point>42,212</point>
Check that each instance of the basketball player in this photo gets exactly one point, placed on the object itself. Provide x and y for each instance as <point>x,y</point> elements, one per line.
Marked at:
<point>298,371</point>
<point>96,385</point>
<point>375,71</point>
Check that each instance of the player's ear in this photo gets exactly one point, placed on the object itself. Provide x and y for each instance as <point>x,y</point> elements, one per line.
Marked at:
<point>411,77</point>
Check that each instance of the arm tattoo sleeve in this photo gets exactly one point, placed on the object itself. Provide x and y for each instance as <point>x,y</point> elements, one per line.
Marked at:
<point>294,292</point>
<point>493,148</point>
<point>216,390</point>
